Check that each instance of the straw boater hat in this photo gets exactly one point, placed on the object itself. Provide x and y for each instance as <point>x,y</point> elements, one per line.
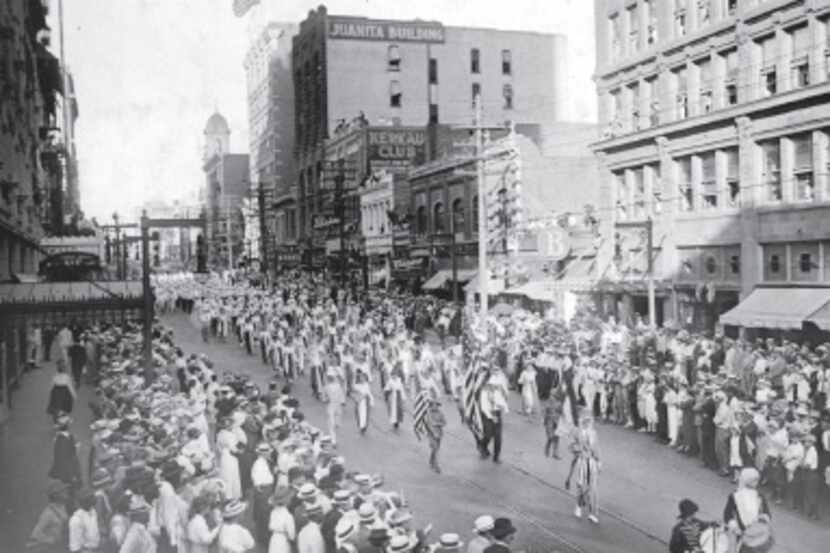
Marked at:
<point>367,513</point>
<point>345,529</point>
<point>307,492</point>
<point>400,544</point>
<point>234,508</point>
<point>448,543</point>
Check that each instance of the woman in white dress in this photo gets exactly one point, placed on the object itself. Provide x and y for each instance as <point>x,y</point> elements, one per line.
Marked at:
<point>281,523</point>
<point>200,535</point>
<point>227,446</point>
<point>527,382</point>
<point>233,537</point>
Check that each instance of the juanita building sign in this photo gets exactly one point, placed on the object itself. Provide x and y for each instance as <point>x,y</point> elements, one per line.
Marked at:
<point>387,31</point>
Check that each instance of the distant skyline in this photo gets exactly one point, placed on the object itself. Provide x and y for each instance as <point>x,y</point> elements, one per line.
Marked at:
<point>149,73</point>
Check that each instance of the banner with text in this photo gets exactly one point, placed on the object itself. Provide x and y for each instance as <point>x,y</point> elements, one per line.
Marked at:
<point>395,149</point>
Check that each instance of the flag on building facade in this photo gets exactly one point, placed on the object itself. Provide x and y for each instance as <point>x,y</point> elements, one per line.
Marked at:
<point>419,413</point>
<point>241,7</point>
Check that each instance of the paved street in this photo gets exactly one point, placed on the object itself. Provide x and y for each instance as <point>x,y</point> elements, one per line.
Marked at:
<point>639,498</point>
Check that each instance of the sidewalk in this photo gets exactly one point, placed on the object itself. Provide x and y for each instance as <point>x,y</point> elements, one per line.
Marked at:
<point>26,453</point>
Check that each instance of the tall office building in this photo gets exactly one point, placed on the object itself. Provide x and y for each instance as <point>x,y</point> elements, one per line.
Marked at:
<point>717,127</point>
<point>410,73</point>
<point>271,136</point>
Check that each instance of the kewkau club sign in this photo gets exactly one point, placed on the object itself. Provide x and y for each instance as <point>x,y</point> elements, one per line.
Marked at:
<point>396,149</point>
<point>387,31</point>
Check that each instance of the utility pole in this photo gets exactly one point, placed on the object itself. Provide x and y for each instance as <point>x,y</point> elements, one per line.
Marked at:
<point>483,277</point>
<point>228,231</point>
<point>453,259</point>
<point>147,294</point>
<point>340,206</point>
<point>263,238</point>
<point>652,303</point>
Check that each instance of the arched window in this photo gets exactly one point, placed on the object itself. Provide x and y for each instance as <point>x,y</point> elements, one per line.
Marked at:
<point>421,220</point>
<point>438,217</point>
<point>475,213</point>
<point>457,215</point>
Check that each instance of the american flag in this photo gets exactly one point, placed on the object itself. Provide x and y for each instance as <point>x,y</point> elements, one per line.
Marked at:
<point>474,380</point>
<point>419,413</point>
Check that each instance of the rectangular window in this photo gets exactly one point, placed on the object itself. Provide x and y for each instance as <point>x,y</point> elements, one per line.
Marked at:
<point>651,17</point>
<point>506,62</point>
<point>704,68</point>
<point>800,48</point>
<point>733,178</point>
<point>775,262</point>
<point>684,183</point>
<point>769,85</point>
<point>476,92</point>
<point>475,61</point>
<point>633,29</point>
<point>803,166</point>
<point>771,152</point>
<point>656,188</point>
<point>704,12</point>
<point>634,94</point>
<point>616,38</point>
<point>709,184</point>
<point>639,193</point>
<point>433,71</point>
<point>507,92</point>
<point>682,98</point>
<point>433,113</point>
<point>804,257</point>
<point>622,196</point>
<point>679,18</point>
<point>654,102</point>
<point>394,58</point>
<point>395,94</point>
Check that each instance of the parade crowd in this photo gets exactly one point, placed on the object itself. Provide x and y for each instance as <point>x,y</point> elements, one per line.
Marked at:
<point>191,457</point>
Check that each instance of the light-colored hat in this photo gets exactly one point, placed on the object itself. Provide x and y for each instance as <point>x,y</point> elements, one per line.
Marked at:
<point>398,517</point>
<point>450,542</point>
<point>367,512</point>
<point>484,523</point>
<point>399,544</point>
<point>345,528</point>
<point>307,491</point>
<point>342,496</point>
<point>234,508</point>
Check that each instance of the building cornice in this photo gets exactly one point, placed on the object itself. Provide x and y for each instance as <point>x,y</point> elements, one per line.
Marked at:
<point>747,109</point>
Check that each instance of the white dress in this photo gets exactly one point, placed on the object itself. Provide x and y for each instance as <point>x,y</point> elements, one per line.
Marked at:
<point>226,443</point>
<point>234,538</point>
<point>282,530</point>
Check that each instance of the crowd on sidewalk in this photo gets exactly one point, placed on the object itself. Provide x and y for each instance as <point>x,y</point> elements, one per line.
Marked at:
<point>754,411</point>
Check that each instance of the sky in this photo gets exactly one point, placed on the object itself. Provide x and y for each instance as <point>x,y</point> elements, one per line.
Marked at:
<point>149,73</point>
